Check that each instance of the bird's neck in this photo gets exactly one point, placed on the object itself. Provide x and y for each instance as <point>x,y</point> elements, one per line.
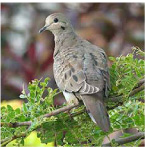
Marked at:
<point>65,40</point>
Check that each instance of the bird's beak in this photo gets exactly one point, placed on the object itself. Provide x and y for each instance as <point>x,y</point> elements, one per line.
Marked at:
<point>43,29</point>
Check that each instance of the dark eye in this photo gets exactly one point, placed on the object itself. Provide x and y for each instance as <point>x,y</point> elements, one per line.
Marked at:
<point>55,20</point>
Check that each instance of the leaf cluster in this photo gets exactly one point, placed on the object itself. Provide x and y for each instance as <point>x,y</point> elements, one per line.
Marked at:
<point>126,71</point>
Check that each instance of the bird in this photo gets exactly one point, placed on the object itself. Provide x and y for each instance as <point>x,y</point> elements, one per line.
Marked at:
<point>80,69</point>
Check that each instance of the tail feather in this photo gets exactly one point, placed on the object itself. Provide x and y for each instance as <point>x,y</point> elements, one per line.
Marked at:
<point>97,110</point>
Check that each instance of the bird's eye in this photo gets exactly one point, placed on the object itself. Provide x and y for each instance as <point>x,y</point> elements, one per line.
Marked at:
<point>55,20</point>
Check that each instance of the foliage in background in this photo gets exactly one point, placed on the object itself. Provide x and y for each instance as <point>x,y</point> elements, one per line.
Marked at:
<point>126,71</point>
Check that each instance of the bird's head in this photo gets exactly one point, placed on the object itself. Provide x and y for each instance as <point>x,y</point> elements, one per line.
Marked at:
<point>56,23</point>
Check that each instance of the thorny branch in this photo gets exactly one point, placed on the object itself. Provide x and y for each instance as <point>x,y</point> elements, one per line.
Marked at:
<point>138,88</point>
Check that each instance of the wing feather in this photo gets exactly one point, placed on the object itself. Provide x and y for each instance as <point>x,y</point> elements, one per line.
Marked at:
<point>82,71</point>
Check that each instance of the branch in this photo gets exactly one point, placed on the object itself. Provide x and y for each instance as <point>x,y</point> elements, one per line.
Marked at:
<point>53,113</point>
<point>63,109</point>
<point>69,107</point>
<point>139,88</point>
<point>142,81</point>
<point>120,141</point>
<point>16,124</point>
<point>4,142</point>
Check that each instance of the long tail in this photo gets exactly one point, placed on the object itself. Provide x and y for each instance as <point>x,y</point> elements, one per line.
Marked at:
<point>97,110</point>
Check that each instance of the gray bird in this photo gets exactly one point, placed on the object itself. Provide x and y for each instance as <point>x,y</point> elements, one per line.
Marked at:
<point>80,69</point>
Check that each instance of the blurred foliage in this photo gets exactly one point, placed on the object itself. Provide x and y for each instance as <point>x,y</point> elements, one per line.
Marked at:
<point>126,71</point>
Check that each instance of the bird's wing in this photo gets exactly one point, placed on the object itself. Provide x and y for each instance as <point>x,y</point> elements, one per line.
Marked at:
<point>96,69</point>
<point>82,71</point>
<point>69,72</point>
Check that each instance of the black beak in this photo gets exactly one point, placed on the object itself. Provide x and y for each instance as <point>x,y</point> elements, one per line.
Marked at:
<point>42,29</point>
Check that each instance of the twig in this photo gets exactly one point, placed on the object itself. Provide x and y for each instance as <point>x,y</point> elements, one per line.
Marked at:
<point>142,81</point>
<point>28,123</point>
<point>8,140</point>
<point>139,87</point>
<point>77,113</point>
<point>120,141</point>
<point>137,90</point>
<point>63,109</point>
<point>69,107</point>
<point>53,113</point>
<point>16,124</point>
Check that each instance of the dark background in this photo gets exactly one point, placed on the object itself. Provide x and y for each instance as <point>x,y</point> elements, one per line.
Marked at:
<point>27,55</point>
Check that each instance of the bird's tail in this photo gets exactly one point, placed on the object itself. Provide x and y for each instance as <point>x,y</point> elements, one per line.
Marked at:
<point>97,110</point>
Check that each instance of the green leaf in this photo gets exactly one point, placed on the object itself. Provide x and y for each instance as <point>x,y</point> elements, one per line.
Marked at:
<point>9,108</point>
<point>17,111</point>
<point>24,108</point>
<point>125,73</point>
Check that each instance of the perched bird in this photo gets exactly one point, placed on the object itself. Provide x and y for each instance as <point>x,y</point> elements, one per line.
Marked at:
<point>80,69</point>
